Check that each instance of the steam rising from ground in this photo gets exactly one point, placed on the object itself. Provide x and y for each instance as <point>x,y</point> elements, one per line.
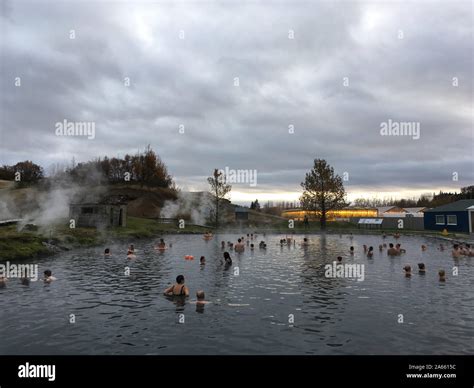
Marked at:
<point>189,206</point>
<point>43,207</point>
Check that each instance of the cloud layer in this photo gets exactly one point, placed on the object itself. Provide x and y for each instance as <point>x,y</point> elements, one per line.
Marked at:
<point>349,67</point>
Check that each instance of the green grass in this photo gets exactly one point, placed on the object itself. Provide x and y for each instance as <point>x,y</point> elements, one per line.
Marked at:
<point>20,245</point>
<point>27,244</point>
<point>143,228</point>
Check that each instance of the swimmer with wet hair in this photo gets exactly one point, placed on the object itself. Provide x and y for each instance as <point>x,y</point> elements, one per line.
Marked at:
<point>107,252</point>
<point>252,247</point>
<point>351,250</point>
<point>370,252</point>
<point>202,260</point>
<point>423,247</point>
<point>399,249</point>
<point>161,244</point>
<point>407,270</point>
<point>441,247</point>
<point>222,244</point>
<point>227,259</point>
<point>391,251</point>
<point>178,289</point>
<point>380,247</point>
<point>339,259</point>
<point>442,275</point>
<point>48,276</point>
<point>421,268</point>
<point>456,252</point>
<point>239,247</point>
<point>3,281</point>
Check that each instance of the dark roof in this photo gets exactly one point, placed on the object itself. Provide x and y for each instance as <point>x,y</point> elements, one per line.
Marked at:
<point>457,206</point>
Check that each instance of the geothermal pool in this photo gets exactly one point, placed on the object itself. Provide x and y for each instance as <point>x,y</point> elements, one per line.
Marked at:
<point>279,303</point>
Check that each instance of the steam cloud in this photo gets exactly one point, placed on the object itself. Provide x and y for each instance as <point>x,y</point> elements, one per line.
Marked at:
<point>193,206</point>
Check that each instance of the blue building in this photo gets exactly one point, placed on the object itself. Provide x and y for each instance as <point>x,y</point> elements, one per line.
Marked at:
<point>454,217</point>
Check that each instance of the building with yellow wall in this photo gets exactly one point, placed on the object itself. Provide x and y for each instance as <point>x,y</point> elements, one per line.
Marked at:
<point>331,215</point>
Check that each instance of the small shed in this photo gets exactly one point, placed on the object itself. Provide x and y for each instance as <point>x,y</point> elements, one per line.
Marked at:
<point>241,214</point>
<point>102,214</point>
<point>454,217</point>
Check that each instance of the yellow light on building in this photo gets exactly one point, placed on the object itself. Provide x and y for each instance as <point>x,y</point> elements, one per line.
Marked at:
<point>331,215</point>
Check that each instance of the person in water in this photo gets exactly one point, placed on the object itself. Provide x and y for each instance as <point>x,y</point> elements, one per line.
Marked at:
<point>442,275</point>
<point>370,252</point>
<point>131,248</point>
<point>351,250</point>
<point>107,252</point>
<point>391,251</point>
<point>380,247</point>
<point>201,297</point>
<point>407,270</point>
<point>252,247</point>
<point>339,259</point>
<point>456,252</point>
<point>178,289</point>
<point>223,244</point>
<point>399,249</point>
<point>202,260</point>
<point>239,247</point>
<point>305,242</point>
<point>423,247</point>
<point>162,244</point>
<point>421,268</point>
<point>470,250</point>
<point>3,281</point>
<point>48,276</point>
<point>227,259</point>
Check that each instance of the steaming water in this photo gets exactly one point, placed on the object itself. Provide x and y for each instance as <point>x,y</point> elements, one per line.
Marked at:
<point>249,313</point>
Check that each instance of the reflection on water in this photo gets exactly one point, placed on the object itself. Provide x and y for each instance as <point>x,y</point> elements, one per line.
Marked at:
<point>278,302</point>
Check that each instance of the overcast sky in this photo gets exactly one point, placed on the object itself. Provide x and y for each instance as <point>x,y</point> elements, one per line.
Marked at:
<point>400,59</point>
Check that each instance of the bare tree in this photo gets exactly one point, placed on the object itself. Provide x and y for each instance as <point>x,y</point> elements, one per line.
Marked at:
<point>218,190</point>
